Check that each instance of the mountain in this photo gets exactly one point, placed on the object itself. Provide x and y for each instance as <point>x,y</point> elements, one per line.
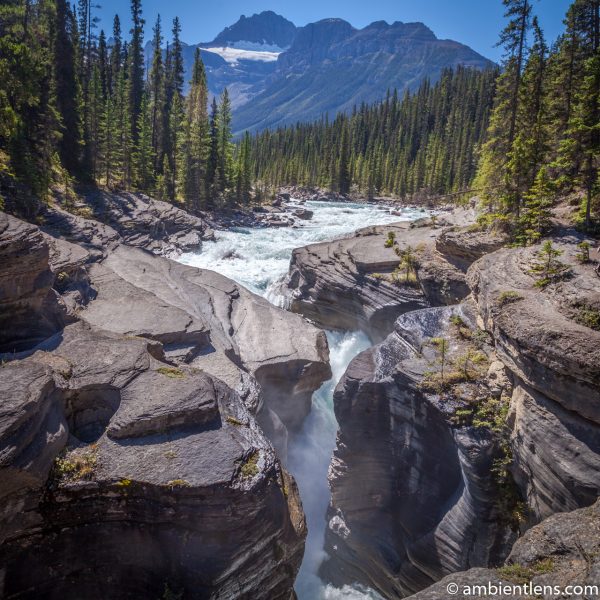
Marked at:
<point>277,73</point>
<point>331,67</point>
<point>242,56</point>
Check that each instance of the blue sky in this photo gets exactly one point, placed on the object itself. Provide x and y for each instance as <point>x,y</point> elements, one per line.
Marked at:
<point>473,22</point>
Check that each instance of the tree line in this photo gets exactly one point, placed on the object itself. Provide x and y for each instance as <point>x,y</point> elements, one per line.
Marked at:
<point>77,109</point>
<point>421,143</point>
<point>521,136</point>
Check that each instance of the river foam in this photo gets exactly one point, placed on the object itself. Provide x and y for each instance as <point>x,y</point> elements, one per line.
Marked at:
<point>259,259</point>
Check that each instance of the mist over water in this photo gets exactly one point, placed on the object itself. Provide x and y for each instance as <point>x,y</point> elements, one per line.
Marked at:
<point>309,456</point>
<point>259,259</point>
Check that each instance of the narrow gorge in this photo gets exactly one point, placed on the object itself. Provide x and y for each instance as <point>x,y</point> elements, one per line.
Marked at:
<point>473,418</point>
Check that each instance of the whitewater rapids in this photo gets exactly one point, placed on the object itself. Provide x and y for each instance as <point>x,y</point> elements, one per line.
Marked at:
<point>258,258</point>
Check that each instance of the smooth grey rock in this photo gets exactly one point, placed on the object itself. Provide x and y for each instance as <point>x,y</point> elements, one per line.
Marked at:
<point>561,551</point>
<point>181,488</point>
<point>536,334</point>
<point>304,214</point>
<point>157,401</point>
<point>124,470</point>
<point>346,284</point>
<point>141,294</point>
<point>412,495</point>
<point>556,454</point>
<point>30,309</point>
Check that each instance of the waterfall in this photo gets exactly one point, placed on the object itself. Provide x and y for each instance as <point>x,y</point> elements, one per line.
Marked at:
<point>259,260</point>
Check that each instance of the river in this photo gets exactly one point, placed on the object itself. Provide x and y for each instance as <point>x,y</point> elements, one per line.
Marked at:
<point>258,258</point>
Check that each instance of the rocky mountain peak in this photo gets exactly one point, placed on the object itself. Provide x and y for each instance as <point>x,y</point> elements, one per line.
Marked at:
<point>266,28</point>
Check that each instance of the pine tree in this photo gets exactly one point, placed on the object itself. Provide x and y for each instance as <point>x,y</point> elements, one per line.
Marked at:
<point>95,111</point>
<point>68,89</point>
<point>176,147</point>
<point>195,145</point>
<point>124,141</point>
<point>244,171</point>
<point>30,127</point>
<point>177,69</point>
<point>157,90</point>
<point>513,38</point>
<point>225,147</point>
<point>103,65</point>
<point>584,127</point>
<point>135,78</point>
<point>529,147</point>
<point>116,56</point>
<point>535,218</point>
<point>343,174</point>
<point>143,155</point>
<point>110,156</point>
<point>494,175</point>
<point>212,165</point>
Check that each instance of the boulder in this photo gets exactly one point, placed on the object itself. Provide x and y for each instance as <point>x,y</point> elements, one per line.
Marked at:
<point>304,214</point>
<point>110,491</point>
<point>206,320</point>
<point>137,219</point>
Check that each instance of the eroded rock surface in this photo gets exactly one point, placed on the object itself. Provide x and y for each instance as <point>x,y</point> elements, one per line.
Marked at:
<point>29,308</point>
<point>135,218</point>
<point>347,284</point>
<point>131,461</point>
<point>415,476</point>
<point>412,495</point>
<point>561,551</point>
<point>208,321</point>
<point>123,476</point>
<point>542,337</point>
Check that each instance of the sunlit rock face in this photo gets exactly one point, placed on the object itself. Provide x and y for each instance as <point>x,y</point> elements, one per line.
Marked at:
<point>412,494</point>
<point>415,494</point>
<point>127,469</point>
<point>554,358</point>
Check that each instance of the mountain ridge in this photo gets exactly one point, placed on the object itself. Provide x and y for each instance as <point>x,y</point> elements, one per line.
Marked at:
<point>279,74</point>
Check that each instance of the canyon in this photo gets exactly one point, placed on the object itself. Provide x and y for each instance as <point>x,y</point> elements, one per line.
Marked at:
<point>167,429</point>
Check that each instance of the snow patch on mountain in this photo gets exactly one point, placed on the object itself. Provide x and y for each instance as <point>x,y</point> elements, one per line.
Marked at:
<point>258,46</point>
<point>247,51</point>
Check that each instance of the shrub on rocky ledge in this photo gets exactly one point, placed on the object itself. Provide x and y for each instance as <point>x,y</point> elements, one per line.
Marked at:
<point>171,372</point>
<point>547,268</point>
<point>588,316</point>
<point>76,465</point>
<point>250,467</point>
<point>507,297</point>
